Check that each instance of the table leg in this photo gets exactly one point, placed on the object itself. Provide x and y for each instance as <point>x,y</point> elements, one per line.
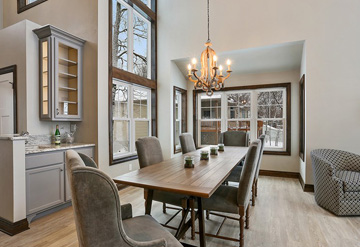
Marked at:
<point>201,223</point>
<point>148,202</point>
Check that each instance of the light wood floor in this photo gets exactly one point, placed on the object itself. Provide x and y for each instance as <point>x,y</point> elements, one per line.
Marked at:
<point>283,216</point>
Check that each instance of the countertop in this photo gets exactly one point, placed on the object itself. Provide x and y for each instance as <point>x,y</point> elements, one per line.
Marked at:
<point>13,137</point>
<point>52,147</point>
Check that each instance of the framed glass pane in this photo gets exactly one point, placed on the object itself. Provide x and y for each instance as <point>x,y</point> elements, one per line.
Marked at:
<point>120,22</point>
<point>273,131</point>
<point>239,105</point>
<point>140,29</point>
<point>141,129</point>
<point>210,132</point>
<point>177,133</point>
<point>263,98</point>
<point>120,101</point>
<point>140,104</point>
<point>276,98</point>
<point>121,137</point>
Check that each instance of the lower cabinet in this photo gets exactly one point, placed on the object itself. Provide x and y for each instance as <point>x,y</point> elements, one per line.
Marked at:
<point>47,184</point>
<point>44,188</point>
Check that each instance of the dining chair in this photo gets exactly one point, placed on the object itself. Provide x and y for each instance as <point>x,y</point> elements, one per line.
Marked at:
<point>100,220</point>
<point>187,143</point>
<point>235,138</point>
<point>149,153</point>
<point>235,174</point>
<point>236,200</point>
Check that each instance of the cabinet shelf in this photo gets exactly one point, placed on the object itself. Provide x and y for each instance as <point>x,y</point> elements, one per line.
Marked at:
<point>67,75</point>
<point>66,62</point>
<point>67,89</point>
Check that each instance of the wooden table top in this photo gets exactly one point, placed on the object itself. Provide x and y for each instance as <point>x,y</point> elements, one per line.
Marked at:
<point>200,181</point>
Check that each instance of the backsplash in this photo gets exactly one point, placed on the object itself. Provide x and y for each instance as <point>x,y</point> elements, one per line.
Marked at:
<point>35,140</point>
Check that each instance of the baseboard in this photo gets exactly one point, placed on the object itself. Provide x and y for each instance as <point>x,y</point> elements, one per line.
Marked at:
<point>279,174</point>
<point>13,228</point>
<point>306,187</point>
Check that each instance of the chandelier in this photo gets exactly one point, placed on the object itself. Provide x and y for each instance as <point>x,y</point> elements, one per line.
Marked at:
<point>211,77</point>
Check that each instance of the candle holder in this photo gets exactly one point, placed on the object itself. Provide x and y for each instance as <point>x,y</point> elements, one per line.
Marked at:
<point>189,162</point>
<point>221,147</point>
<point>214,150</point>
<point>204,155</point>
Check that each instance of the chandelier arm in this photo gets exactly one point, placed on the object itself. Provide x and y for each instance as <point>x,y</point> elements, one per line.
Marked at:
<point>192,80</point>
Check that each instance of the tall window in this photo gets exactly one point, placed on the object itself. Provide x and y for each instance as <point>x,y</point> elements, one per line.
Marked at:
<point>180,116</point>
<point>131,46</point>
<point>131,117</point>
<point>132,81</point>
<point>257,110</point>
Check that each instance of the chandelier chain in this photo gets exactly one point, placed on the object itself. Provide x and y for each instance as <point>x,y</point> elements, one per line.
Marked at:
<point>208,15</point>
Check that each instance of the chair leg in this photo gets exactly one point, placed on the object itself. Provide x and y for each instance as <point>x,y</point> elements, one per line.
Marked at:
<point>241,222</point>
<point>164,207</point>
<point>247,216</point>
<point>207,214</point>
<point>256,186</point>
<point>192,218</point>
<point>253,193</point>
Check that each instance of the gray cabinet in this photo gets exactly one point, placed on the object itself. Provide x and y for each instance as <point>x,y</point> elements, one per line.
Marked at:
<point>47,185</point>
<point>61,68</point>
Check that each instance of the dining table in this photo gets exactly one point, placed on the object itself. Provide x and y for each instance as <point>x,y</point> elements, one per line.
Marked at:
<point>199,182</point>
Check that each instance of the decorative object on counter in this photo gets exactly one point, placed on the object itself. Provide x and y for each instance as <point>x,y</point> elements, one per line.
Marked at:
<point>189,162</point>
<point>214,150</point>
<point>221,147</point>
<point>204,155</point>
<point>69,137</point>
<point>61,62</point>
<point>57,136</point>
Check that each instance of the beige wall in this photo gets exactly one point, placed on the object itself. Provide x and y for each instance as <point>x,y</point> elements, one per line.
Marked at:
<point>78,18</point>
<point>330,29</point>
<point>1,14</point>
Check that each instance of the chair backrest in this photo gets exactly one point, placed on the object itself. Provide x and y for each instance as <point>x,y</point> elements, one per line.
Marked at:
<point>262,139</point>
<point>248,173</point>
<point>96,205</point>
<point>235,138</point>
<point>187,143</point>
<point>149,151</point>
<point>88,161</point>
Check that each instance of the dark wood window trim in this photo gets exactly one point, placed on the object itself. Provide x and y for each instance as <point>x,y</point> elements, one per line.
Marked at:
<point>183,114</point>
<point>286,85</point>
<point>120,74</point>
<point>13,69</point>
<point>302,119</point>
<point>22,6</point>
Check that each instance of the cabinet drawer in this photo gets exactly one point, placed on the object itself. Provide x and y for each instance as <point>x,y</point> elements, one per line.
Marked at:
<point>44,188</point>
<point>39,160</point>
<point>87,151</point>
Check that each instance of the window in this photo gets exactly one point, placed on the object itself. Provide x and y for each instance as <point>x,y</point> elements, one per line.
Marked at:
<point>180,116</point>
<point>131,117</point>
<point>132,78</point>
<point>131,46</point>
<point>23,5</point>
<point>255,109</point>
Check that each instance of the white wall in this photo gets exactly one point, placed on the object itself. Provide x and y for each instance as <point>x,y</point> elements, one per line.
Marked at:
<point>332,54</point>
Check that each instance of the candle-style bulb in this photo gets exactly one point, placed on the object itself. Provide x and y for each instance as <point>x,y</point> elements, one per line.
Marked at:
<point>221,69</point>
<point>189,66</point>
<point>215,58</point>
<point>228,62</point>
<point>194,61</point>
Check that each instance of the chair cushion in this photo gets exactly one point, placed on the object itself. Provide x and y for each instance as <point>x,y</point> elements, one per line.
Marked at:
<point>145,228</point>
<point>351,180</point>
<point>223,200</point>
<point>168,197</point>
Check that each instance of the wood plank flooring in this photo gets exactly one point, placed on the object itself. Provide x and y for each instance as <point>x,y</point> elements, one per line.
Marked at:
<point>283,216</point>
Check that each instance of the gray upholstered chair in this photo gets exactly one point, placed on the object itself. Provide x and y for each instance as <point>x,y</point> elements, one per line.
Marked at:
<point>255,189</point>
<point>337,181</point>
<point>99,218</point>
<point>149,153</point>
<point>187,143</point>
<point>235,138</point>
<point>88,161</point>
<point>228,199</point>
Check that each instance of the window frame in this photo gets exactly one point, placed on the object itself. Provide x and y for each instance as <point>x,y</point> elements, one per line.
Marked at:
<point>253,122</point>
<point>182,112</point>
<point>129,77</point>
<point>22,5</point>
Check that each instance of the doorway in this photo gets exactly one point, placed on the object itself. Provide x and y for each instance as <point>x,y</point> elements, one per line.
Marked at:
<point>8,96</point>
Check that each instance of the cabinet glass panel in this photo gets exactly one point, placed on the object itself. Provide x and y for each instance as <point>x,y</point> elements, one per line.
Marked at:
<point>45,77</point>
<point>68,85</point>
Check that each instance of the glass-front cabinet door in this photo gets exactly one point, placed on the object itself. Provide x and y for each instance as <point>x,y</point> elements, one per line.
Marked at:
<point>67,78</point>
<point>60,74</point>
<point>45,78</point>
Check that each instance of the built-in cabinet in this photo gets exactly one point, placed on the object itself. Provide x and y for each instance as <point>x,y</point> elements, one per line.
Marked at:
<point>47,185</point>
<point>61,66</point>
